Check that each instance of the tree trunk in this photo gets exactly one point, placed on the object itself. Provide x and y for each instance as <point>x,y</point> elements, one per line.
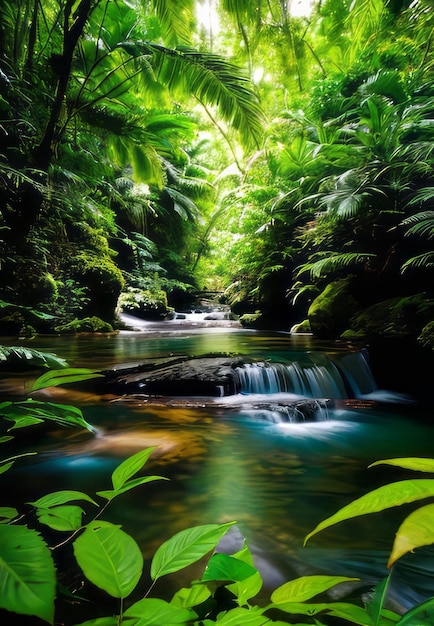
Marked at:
<point>71,36</point>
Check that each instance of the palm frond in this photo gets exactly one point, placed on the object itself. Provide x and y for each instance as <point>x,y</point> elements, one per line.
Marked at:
<point>213,81</point>
<point>426,194</point>
<point>175,20</point>
<point>421,224</point>
<point>338,263</point>
<point>421,261</point>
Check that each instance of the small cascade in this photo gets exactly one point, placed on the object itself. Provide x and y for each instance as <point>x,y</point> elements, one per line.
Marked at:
<point>347,376</point>
<point>357,372</point>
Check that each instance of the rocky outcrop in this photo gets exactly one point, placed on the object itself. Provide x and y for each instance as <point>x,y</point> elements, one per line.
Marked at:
<point>178,376</point>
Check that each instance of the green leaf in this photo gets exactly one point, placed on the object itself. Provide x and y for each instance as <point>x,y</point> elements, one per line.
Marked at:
<point>27,574</point>
<point>7,513</point>
<point>241,617</point>
<point>5,439</point>
<point>62,414</point>
<point>222,567</point>
<point>109,558</point>
<point>251,586</point>
<point>61,518</point>
<point>18,355</point>
<point>24,422</point>
<point>61,497</point>
<point>306,587</point>
<point>129,467</point>
<point>57,377</point>
<point>385,497</point>
<point>155,612</point>
<point>189,597</point>
<point>5,468</point>
<point>415,531</point>
<point>421,615</point>
<point>413,463</point>
<point>186,547</point>
<point>109,494</point>
<point>350,612</point>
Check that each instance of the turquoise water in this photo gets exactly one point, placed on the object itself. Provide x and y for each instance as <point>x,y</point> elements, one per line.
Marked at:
<point>277,479</point>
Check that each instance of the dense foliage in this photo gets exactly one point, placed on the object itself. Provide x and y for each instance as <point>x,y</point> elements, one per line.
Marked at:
<point>136,159</point>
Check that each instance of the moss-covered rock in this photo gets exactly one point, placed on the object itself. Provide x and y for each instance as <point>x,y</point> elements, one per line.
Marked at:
<point>301,327</point>
<point>426,337</point>
<point>395,317</point>
<point>145,303</point>
<point>85,325</point>
<point>103,280</point>
<point>329,313</point>
<point>251,320</point>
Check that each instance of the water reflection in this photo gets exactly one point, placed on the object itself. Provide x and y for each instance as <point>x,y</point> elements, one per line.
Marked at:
<point>277,479</point>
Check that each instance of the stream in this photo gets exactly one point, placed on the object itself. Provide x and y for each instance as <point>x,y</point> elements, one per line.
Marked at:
<point>277,476</point>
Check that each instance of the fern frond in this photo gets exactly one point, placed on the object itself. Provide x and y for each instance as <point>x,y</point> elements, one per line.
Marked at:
<point>426,194</point>
<point>421,224</point>
<point>338,263</point>
<point>421,261</point>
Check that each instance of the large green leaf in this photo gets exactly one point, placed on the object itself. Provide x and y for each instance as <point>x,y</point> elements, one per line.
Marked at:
<point>27,574</point>
<point>109,558</point>
<point>186,547</point>
<point>155,612</point>
<point>222,567</point>
<point>385,497</point>
<point>306,587</point>
<point>415,531</point>
<point>57,377</point>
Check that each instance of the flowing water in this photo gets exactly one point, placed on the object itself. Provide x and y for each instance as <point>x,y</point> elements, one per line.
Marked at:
<point>231,458</point>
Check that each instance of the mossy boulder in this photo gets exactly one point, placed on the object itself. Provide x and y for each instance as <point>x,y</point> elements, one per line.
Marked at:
<point>144,303</point>
<point>426,337</point>
<point>301,328</point>
<point>329,313</point>
<point>394,317</point>
<point>103,280</point>
<point>85,325</point>
<point>251,320</point>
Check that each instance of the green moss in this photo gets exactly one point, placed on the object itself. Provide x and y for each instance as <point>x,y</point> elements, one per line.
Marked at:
<point>102,279</point>
<point>251,320</point>
<point>85,325</point>
<point>302,327</point>
<point>395,317</point>
<point>426,337</point>
<point>330,311</point>
<point>145,303</point>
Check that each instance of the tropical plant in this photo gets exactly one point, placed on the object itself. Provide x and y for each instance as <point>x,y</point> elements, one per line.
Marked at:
<point>415,531</point>
<point>89,96</point>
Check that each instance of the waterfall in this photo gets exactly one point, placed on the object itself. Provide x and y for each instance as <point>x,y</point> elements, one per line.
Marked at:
<point>320,376</point>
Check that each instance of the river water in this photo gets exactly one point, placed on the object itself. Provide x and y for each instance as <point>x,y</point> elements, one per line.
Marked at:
<point>276,478</point>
